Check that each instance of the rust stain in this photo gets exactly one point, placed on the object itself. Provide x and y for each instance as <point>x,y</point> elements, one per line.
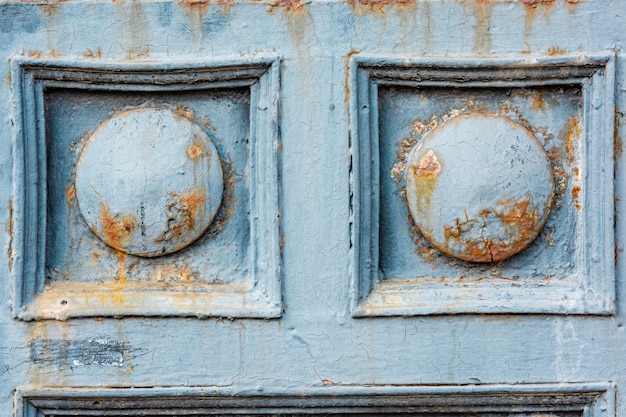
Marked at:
<point>122,257</point>
<point>398,169</point>
<point>34,54</point>
<point>556,51</point>
<point>70,194</point>
<point>482,28</point>
<point>520,223</point>
<point>132,54</point>
<point>49,9</point>
<point>425,177</point>
<point>195,4</point>
<point>380,6</point>
<point>176,274</point>
<point>617,141</point>
<point>572,132</point>
<point>183,112</point>
<point>117,230</point>
<point>576,196</point>
<point>91,54</point>
<point>184,211</point>
<point>346,96</point>
<point>289,6</point>
<point>428,166</point>
<point>538,102</point>
<point>194,151</point>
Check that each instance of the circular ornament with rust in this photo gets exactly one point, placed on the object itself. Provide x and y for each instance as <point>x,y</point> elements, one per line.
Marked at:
<point>479,187</point>
<point>149,182</point>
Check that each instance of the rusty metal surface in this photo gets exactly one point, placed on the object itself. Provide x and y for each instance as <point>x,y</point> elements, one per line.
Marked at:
<point>479,187</point>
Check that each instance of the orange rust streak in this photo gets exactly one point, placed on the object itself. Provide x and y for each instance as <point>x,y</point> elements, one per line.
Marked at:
<point>122,257</point>
<point>573,132</point>
<point>576,197</point>
<point>70,193</point>
<point>116,231</point>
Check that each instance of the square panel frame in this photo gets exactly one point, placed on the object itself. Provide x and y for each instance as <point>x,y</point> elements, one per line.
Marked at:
<point>590,291</point>
<point>589,399</point>
<point>31,77</point>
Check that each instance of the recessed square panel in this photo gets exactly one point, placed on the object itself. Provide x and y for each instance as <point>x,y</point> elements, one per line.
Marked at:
<point>144,189</point>
<point>483,186</point>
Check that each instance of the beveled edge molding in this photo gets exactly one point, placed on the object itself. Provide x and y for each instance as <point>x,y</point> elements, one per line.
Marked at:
<point>592,399</point>
<point>31,76</point>
<point>590,291</point>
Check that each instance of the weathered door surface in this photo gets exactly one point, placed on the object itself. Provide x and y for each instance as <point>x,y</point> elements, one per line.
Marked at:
<point>286,207</point>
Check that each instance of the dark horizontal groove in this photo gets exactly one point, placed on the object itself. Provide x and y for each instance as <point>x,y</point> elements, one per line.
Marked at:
<point>152,76</point>
<point>420,404</point>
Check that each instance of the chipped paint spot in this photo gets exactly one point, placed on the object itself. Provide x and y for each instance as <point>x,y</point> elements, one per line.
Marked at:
<point>538,102</point>
<point>73,353</point>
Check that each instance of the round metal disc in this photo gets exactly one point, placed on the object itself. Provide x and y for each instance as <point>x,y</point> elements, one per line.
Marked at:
<point>149,182</point>
<point>479,187</point>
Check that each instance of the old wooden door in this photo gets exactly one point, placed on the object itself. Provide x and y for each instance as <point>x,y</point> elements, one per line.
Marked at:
<point>365,207</point>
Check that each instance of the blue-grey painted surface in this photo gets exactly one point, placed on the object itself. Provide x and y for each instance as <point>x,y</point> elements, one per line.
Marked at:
<point>274,295</point>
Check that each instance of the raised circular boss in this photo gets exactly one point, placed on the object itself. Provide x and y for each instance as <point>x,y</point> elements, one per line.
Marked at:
<point>479,187</point>
<point>148,181</point>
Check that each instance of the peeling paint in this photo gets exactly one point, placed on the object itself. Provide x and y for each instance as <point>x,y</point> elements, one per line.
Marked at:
<point>99,351</point>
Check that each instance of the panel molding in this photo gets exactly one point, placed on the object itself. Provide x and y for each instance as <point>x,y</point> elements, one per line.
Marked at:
<point>31,77</point>
<point>591,290</point>
<point>592,399</point>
